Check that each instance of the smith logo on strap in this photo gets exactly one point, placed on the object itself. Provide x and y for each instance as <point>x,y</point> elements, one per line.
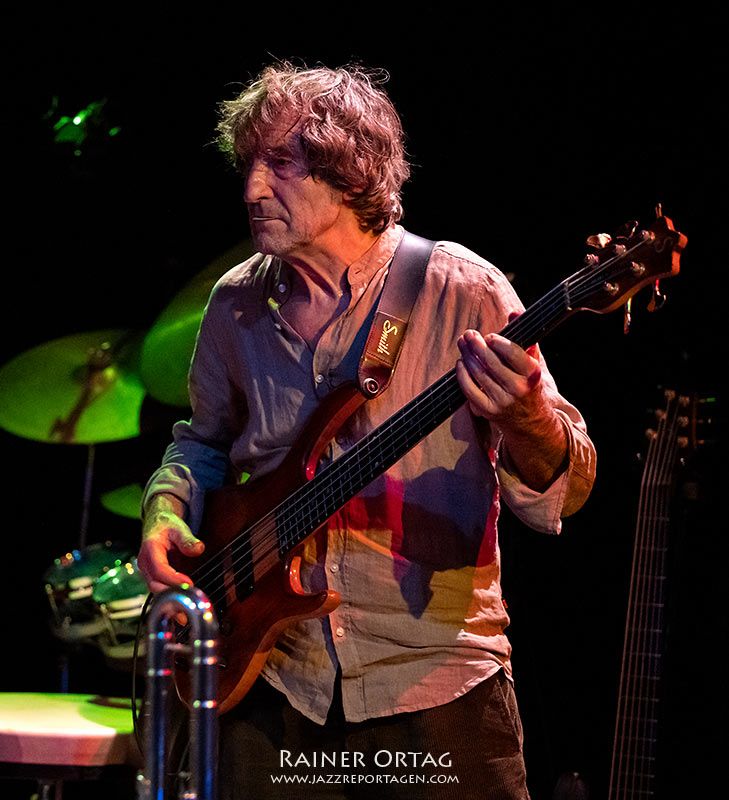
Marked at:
<point>389,338</point>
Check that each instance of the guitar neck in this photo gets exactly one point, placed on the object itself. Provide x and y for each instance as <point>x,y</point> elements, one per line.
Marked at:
<point>633,767</point>
<point>603,284</point>
<point>335,485</point>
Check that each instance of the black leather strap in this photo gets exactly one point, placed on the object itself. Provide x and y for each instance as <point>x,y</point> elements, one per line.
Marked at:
<point>402,285</point>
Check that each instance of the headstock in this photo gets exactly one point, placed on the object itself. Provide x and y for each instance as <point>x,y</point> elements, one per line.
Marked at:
<point>620,266</point>
<point>682,426</point>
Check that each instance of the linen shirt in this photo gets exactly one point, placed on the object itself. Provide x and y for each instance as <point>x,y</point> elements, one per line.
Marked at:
<point>415,555</point>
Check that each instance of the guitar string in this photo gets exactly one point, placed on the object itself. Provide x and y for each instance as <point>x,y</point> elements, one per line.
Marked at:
<point>656,579</point>
<point>593,275</point>
<point>295,516</point>
<point>273,513</point>
<point>626,687</point>
<point>657,576</point>
<point>267,525</point>
<point>640,740</point>
<point>641,694</point>
<point>268,529</point>
<point>637,741</point>
<point>274,538</point>
<point>640,688</point>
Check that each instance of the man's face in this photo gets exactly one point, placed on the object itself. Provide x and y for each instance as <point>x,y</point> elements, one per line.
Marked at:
<point>291,213</point>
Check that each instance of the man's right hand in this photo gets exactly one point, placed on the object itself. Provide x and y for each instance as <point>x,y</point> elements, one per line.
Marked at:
<point>165,530</point>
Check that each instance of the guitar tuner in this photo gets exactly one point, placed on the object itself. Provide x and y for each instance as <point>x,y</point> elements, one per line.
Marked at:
<point>599,240</point>
<point>637,268</point>
<point>646,236</point>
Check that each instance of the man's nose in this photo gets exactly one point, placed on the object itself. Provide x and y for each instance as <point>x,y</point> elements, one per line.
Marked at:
<point>257,182</point>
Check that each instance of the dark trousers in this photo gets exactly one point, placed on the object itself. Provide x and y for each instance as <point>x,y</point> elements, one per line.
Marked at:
<point>468,748</point>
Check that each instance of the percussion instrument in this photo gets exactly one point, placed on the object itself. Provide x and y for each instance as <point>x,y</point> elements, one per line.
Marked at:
<point>97,596</point>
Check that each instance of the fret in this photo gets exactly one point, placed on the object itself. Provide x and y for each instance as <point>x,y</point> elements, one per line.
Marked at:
<point>644,739</point>
<point>649,721</point>
<point>640,698</point>
<point>634,791</point>
<point>633,775</point>
<point>645,630</point>
<point>631,755</point>
<point>642,654</point>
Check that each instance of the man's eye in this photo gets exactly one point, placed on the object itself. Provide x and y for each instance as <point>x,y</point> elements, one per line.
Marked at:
<point>286,167</point>
<point>276,162</point>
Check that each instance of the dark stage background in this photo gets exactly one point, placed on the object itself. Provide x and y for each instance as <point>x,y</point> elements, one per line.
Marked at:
<point>527,136</point>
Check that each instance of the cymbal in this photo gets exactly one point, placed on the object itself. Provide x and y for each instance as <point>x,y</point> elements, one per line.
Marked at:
<point>126,501</point>
<point>79,389</point>
<point>168,346</point>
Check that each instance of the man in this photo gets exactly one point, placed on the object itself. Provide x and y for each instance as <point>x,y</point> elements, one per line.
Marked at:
<point>415,660</point>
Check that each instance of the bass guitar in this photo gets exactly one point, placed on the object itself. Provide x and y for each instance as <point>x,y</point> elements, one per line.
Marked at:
<point>250,569</point>
<point>635,745</point>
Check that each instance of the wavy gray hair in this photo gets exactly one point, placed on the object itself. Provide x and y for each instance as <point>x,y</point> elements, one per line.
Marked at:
<point>349,131</point>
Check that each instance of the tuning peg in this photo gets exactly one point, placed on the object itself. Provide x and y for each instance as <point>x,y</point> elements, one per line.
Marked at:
<point>599,240</point>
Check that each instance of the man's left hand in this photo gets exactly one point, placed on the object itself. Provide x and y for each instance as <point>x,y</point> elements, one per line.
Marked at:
<point>501,381</point>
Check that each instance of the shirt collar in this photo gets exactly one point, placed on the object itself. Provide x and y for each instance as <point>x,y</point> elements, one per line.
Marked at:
<point>366,267</point>
<point>359,273</point>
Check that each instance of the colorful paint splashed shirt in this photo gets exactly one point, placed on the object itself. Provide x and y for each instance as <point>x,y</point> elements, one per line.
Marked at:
<point>415,555</point>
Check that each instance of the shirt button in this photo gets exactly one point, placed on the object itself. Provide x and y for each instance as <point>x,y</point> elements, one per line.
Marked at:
<point>334,568</point>
<point>282,287</point>
<point>340,632</point>
<point>319,378</point>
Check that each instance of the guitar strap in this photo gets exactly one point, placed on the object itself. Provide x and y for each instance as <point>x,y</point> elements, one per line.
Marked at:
<point>402,285</point>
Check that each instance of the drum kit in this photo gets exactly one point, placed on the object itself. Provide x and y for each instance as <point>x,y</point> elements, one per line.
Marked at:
<point>88,389</point>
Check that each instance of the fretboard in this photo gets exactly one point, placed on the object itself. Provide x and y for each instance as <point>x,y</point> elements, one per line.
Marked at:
<point>336,484</point>
<point>633,770</point>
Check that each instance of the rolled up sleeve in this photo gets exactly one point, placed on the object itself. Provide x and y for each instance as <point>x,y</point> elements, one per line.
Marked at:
<point>544,511</point>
